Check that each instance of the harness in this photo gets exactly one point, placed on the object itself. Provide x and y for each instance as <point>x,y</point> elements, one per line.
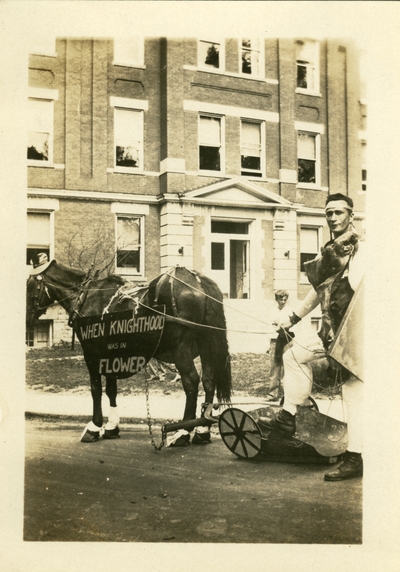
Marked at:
<point>81,296</point>
<point>167,278</point>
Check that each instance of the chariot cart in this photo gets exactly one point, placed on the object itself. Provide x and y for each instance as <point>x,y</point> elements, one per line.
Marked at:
<point>318,438</point>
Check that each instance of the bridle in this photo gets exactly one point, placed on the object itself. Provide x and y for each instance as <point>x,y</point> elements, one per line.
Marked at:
<point>40,296</point>
<point>42,299</point>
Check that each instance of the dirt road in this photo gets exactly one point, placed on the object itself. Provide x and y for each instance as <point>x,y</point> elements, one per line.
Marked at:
<point>125,491</point>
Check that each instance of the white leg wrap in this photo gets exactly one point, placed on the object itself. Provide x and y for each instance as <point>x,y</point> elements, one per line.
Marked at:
<point>201,429</point>
<point>113,418</point>
<point>171,440</point>
<point>92,427</point>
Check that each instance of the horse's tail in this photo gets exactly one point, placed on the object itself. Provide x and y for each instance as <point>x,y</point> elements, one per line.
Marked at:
<point>214,317</point>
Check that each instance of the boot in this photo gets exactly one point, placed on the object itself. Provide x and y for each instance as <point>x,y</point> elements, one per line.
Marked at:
<point>351,467</point>
<point>284,422</point>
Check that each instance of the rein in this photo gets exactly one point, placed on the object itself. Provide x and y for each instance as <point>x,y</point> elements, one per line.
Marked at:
<point>81,297</point>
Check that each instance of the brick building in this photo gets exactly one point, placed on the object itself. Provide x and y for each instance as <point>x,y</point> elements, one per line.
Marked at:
<point>215,154</point>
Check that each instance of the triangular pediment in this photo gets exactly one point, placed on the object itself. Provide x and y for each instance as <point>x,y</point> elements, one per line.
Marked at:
<point>237,191</point>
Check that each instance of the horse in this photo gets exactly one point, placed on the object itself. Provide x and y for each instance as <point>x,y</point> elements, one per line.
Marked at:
<point>194,325</point>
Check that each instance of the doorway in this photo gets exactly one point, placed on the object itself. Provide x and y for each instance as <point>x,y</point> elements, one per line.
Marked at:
<point>230,247</point>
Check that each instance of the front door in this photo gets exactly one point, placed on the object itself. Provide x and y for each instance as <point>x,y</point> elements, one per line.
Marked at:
<point>230,247</point>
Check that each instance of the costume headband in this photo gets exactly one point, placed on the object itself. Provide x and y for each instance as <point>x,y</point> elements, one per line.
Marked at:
<point>339,203</point>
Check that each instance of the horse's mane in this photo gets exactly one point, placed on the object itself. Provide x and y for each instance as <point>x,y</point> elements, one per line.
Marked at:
<point>75,273</point>
<point>115,278</point>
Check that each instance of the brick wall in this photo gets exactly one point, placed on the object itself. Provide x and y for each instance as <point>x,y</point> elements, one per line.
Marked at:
<point>85,76</point>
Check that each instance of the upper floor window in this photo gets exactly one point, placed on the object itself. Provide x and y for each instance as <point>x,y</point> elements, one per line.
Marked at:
<point>251,148</point>
<point>210,55</point>
<point>250,57</point>
<point>40,131</point>
<point>307,63</point>
<point>308,167</point>
<point>129,259</point>
<point>128,139</point>
<point>210,143</point>
<point>129,51</point>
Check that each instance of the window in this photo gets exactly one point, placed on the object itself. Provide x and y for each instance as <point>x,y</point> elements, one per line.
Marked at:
<point>307,162</point>
<point>316,323</point>
<point>40,335</point>
<point>229,227</point>
<point>39,235</point>
<point>40,131</point>
<point>251,149</point>
<point>250,57</point>
<point>210,143</point>
<point>309,247</point>
<point>129,52</point>
<point>129,245</point>
<point>307,63</point>
<point>128,137</point>
<point>217,256</point>
<point>210,55</point>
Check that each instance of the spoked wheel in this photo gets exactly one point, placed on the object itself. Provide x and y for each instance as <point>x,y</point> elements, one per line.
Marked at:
<point>240,433</point>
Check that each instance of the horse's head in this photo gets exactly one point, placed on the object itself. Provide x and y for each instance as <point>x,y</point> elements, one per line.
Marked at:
<point>38,298</point>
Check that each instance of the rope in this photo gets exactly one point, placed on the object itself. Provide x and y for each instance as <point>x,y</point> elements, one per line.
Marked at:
<point>73,288</point>
<point>196,324</point>
<point>187,322</point>
<point>227,306</point>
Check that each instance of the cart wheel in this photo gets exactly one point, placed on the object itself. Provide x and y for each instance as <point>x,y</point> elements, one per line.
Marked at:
<point>240,433</point>
<point>313,403</point>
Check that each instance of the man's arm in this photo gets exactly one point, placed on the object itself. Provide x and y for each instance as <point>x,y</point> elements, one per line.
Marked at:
<point>307,305</point>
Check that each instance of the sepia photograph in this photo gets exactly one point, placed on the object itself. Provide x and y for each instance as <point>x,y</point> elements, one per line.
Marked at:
<point>194,336</point>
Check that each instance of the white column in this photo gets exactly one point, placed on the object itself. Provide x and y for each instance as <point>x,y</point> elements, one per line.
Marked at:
<point>176,235</point>
<point>285,252</point>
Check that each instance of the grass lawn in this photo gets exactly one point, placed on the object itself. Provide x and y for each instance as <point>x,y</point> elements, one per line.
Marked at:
<point>62,369</point>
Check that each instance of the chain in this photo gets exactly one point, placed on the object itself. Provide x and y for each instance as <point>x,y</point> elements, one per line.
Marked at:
<point>161,445</point>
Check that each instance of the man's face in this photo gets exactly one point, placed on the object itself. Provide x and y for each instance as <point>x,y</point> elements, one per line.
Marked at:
<point>338,217</point>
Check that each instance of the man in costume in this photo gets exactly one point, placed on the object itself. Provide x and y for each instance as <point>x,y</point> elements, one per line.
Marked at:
<point>335,275</point>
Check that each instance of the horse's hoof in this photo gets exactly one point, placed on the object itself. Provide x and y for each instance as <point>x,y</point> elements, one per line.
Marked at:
<point>201,438</point>
<point>182,441</point>
<point>111,433</point>
<point>90,436</point>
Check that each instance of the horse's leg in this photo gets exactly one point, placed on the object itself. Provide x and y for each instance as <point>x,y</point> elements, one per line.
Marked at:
<point>93,429</point>
<point>190,381</point>
<point>111,430</point>
<point>202,433</point>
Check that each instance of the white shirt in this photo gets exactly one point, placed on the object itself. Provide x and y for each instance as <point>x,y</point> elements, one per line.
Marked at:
<point>280,317</point>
